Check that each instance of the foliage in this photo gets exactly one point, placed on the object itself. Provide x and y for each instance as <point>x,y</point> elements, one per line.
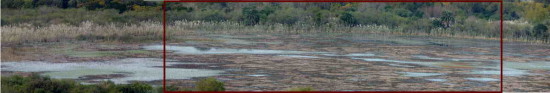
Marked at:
<point>541,31</point>
<point>251,16</point>
<point>136,87</point>
<point>537,12</point>
<point>445,21</point>
<point>301,89</point>
<point>120,5</point>
<point>348,19</point>
<point>209,84</point>
<point>41,84</point>
<point>411,18</point>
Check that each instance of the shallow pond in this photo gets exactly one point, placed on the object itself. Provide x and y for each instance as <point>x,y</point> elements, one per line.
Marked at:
<point>132,69</point>
<point>199,50</point>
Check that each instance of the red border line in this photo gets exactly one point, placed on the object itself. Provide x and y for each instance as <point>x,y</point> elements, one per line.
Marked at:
<point>164,46</point>
<point>501,47</point>
<point>501,42</point>
<point>334,92</point>
<point>333,1</point>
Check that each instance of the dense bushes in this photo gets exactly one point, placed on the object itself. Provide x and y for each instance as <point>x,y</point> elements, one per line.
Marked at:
<point>120,5</point>
<point>541,31</point>
<point>301,89</point>
<point>401,17</point>
<point>209,84</point>
<point>40,84</point>
<point>45,16</point>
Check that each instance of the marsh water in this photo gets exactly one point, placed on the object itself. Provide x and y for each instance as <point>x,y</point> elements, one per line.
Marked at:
<point>268,60</point>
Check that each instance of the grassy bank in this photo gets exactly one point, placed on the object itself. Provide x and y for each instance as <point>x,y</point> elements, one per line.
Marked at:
<point>35,83</point>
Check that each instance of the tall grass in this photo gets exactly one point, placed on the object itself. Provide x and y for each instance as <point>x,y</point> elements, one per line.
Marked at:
<point>26,33</point>
<point>152,31</point>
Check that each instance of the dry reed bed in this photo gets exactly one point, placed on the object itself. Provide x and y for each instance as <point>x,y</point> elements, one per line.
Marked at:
<point>17,34</point>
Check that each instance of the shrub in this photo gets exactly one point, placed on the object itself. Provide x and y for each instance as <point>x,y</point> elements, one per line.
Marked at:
<point>540,31</point>
<point>286,16</point>
<point>251,16</point>
<point>136,87</point>
<point>41,84</point>
<point>209,84</point>
<point>348,19</point>
<point>36,84</point>
<point>301,89</point>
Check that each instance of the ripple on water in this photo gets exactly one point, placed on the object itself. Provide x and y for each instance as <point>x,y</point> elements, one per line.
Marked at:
<point>134,69</point>
<point>437,80</point>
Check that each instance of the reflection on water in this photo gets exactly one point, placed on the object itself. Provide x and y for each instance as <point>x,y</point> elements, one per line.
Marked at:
<point>257,75</point>
<point>420,74</point>
<point>352,54</point>
<point>299,56</point>
<point>482,79</point>
<point>532,65</point>
<point>437,80</point>
<point>197,50</point>
<point>244,42</point>
<point>510,68</point>
<point>427,57</point>
<point>140,69</point>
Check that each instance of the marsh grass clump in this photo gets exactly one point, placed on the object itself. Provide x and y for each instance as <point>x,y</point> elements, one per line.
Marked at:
<point>86,31</point>
<point>302,89</point>
<point>209,84</point>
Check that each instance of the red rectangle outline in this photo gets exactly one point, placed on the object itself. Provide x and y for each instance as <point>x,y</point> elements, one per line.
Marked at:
<point>164,43</point>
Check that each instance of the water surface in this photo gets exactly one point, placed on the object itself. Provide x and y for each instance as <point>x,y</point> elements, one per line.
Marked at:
<point>133,69</point>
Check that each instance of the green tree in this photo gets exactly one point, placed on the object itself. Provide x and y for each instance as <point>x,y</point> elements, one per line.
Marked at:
<point>251,16</point>
<point>540,31</point>
<point>348,19</point>
<point>537,13</point>
<point>320,18</point>
<point>447,19</point>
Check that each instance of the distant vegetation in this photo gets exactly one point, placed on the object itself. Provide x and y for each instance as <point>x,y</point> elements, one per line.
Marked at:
<point>301,89</point>
<point>40,84</point>
<point>525,21</point>
<point>43,84</point>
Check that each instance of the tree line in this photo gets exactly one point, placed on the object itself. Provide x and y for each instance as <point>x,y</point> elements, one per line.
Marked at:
<point>407,16</point>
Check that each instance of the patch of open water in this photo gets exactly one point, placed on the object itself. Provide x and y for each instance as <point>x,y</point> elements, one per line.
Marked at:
<point>437,80</point>
<point>482,79</point>
<point>197,50</point>
<point>420,74</point>
<point>133,69</point>
<point>299,56</point>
